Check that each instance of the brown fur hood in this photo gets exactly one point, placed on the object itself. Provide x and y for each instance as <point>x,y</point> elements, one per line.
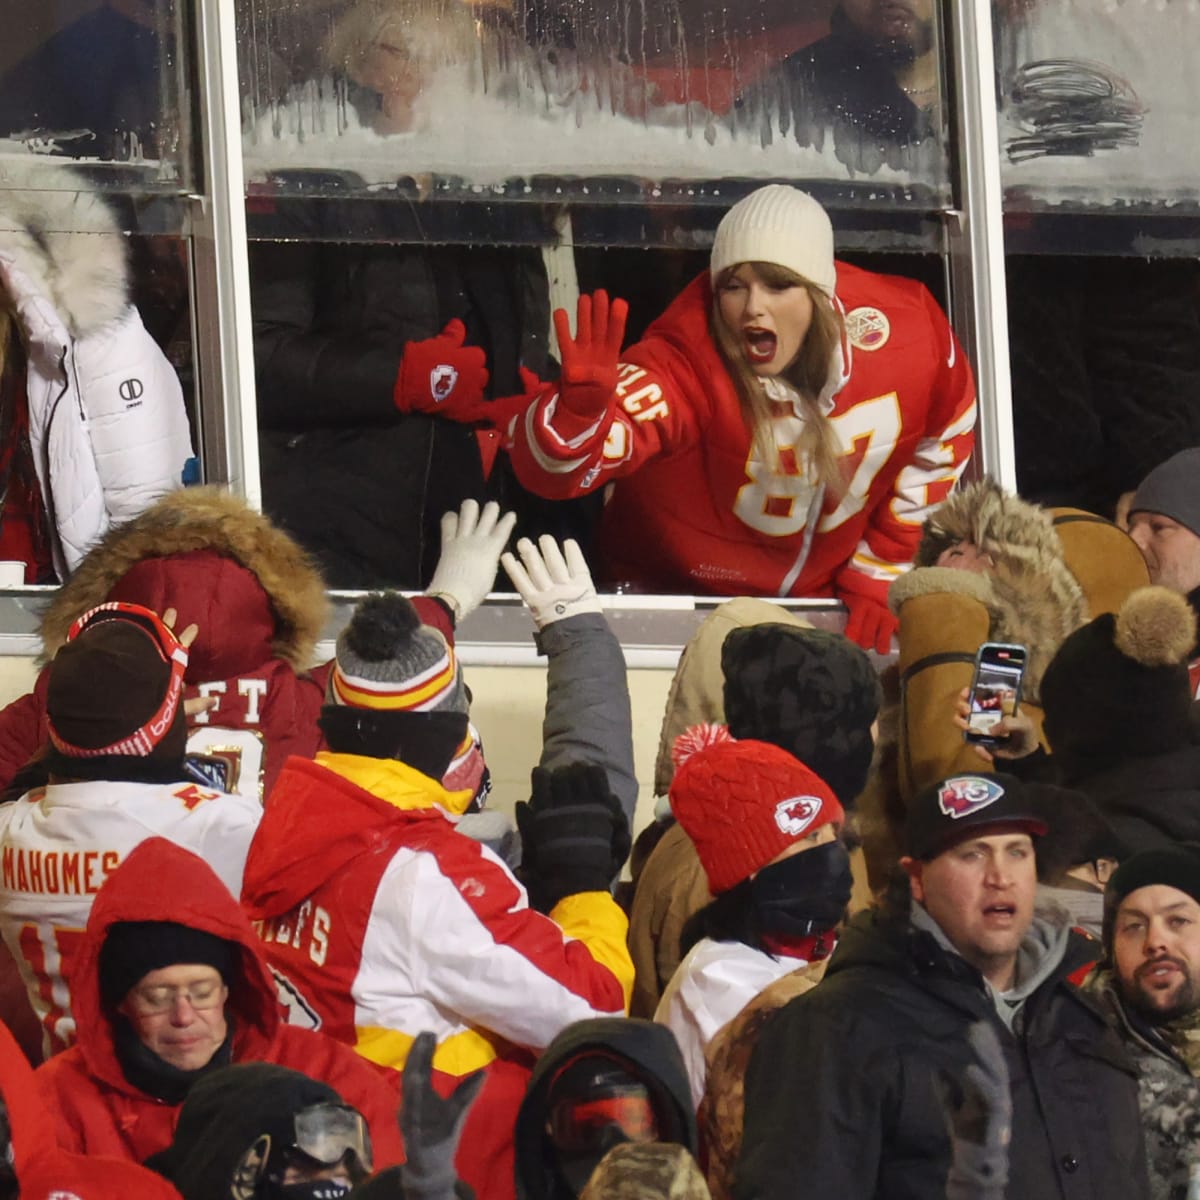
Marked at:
<point>203,519</point>
<point>1031,595</point>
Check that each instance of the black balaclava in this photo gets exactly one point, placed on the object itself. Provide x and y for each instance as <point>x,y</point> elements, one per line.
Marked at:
<point>805,893</point>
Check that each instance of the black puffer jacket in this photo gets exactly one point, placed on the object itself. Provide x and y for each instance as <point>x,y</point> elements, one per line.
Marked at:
<point>357,484</point>
<point>841,1098</point>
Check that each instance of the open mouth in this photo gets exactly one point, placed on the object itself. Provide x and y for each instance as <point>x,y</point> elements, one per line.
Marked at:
<point>1000,912</point>
<point>1159,971</point>
<point>760,344</point>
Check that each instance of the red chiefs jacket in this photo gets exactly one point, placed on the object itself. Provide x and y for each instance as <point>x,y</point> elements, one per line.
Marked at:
<point>695,510</point>
<point>45,1171</point>
<point>381,921</point>
<point>97,1111</point>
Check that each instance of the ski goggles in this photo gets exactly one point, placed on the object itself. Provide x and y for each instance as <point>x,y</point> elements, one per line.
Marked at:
<point>171,650</point>
<point>327,1133</point>
<point>585,1125</point>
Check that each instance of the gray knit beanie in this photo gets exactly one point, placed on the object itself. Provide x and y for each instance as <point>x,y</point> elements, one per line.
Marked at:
<point>1173,490</point>
<point>388,660</point>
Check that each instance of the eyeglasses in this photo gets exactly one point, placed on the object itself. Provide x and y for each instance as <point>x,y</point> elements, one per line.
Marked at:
<point>334,1133</point>
<point>203,995</point>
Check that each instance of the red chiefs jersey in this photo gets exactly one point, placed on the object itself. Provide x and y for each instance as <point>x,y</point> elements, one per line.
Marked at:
<point>707,514</point>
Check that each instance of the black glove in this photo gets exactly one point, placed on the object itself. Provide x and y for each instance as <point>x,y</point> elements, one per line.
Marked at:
<point>431,1125</point>
<point>574,835</point>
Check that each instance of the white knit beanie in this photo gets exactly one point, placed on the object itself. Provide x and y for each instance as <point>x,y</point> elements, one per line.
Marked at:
<point>780,225</point>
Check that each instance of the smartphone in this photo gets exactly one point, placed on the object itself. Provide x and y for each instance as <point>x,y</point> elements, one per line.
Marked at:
<point>995,690</point>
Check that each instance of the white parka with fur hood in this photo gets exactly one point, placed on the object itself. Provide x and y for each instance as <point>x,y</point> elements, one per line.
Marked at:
<point>107,424</point>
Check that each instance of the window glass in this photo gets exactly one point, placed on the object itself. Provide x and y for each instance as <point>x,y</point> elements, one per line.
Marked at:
<point>599,102</point>
<point>1099,104</point>
<point>96,80</point>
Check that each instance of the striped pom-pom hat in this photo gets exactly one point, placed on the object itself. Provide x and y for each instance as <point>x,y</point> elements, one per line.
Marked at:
<point>389,661</point>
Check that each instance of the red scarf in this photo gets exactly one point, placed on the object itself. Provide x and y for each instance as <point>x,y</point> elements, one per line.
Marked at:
<point>812,948</point>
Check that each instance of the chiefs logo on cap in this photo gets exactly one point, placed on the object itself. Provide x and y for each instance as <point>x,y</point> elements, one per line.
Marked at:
<point>966,794</point>
<point>794,816</point>
<point>442,379</point>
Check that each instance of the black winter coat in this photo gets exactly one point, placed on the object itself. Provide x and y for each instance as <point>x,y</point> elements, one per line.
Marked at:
<point>841,1098</point>
<point>360,486</point>
<point>1151,802</point>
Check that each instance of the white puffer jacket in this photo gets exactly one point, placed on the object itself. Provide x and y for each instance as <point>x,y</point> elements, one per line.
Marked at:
<point>107,423</point>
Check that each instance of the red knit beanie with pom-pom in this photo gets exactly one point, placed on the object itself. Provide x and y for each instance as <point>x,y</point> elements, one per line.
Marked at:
<point>744,802</point>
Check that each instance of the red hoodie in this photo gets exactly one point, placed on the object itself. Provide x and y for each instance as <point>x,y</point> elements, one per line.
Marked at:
<point>97,1110</point>
<point>45,1171</point>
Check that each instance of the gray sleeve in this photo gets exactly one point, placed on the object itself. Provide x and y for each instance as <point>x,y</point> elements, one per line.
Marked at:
<point>587,702</point>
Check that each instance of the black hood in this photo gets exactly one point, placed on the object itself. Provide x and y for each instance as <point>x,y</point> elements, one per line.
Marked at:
<point>653,1055</point>
<point>223,1116</point>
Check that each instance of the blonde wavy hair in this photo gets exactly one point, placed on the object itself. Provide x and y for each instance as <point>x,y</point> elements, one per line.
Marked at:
<point>807,374</point>
<point>433,32</point>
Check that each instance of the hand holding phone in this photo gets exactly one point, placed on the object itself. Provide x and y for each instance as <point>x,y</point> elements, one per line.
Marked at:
<point>995,692</point>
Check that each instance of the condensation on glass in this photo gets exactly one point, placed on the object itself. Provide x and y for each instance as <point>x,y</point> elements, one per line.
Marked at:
<point>595,102</point>
<point>1100,101</point>
<point>100,83</point>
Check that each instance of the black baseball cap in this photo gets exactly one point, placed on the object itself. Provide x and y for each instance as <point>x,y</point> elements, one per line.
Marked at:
<point>958,805</point>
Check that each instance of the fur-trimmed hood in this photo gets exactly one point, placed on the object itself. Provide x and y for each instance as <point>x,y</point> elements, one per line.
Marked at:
<point>219,563</point>
<point>1031,596</point>
<point>59,241</point>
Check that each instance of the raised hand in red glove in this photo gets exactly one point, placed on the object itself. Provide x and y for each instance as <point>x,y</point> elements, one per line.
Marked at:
<point>444,378</point>
<point>869,623</point>
<point>589,362</point>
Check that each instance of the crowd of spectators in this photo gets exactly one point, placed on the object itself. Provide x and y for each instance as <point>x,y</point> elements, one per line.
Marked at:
<point>267,939</point>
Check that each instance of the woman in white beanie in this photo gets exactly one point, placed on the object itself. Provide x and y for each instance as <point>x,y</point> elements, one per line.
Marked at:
<point>798,418</point>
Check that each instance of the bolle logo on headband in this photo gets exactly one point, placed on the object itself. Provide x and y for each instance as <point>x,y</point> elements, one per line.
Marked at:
<point>442,379</point>
<point>795,815</point>
<point>967,794</point>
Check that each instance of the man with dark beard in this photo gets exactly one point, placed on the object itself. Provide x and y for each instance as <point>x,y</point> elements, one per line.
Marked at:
<point>1150,982</point>
<point>872,83</point>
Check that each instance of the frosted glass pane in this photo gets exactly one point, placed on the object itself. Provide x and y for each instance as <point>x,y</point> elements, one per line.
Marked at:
<point>547,97</point>
<point>1100,103</point>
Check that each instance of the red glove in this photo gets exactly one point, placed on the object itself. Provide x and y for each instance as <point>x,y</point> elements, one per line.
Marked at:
<point>589,362</point>
<point>444,378</point>
<point>869,623</point>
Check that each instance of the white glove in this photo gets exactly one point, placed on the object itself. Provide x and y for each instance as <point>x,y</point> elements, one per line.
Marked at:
<point>471,545</point>
<point>553,583</point>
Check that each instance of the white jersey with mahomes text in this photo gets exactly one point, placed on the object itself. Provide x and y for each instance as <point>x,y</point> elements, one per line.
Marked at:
<point>59,843</point>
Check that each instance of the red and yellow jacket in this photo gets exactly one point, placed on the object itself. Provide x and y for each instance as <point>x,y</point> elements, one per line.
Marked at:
<point>381,920</point>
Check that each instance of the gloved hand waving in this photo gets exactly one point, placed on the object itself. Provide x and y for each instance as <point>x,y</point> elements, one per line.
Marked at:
<point>431,1125</point>
<point>471,544</point>
<point>555,584</point>
<point>590,361</point>
<point>442,377</point>
<point>574,836</point>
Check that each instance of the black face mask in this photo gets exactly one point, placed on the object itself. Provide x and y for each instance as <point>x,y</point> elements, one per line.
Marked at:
<point>804,894</point>
<point>309,1189</point>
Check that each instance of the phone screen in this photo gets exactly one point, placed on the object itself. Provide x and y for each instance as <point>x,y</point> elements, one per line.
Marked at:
<point>996,690</point>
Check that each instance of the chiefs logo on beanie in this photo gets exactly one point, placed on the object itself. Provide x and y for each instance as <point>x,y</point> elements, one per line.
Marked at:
<point>743,803</point>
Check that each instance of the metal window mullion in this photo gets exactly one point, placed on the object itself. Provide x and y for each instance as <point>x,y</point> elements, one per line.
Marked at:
<point>225,348</point>
<point>977,240</point>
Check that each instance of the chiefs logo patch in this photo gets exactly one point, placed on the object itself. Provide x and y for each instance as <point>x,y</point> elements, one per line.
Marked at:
<point>794,816</point>
<point>442,379</point>
<point>868,329</point>
<point>966,794</point>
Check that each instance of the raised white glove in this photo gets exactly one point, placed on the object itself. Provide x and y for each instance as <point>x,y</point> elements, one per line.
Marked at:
<point>553,583</point>
<point>471,545</point>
